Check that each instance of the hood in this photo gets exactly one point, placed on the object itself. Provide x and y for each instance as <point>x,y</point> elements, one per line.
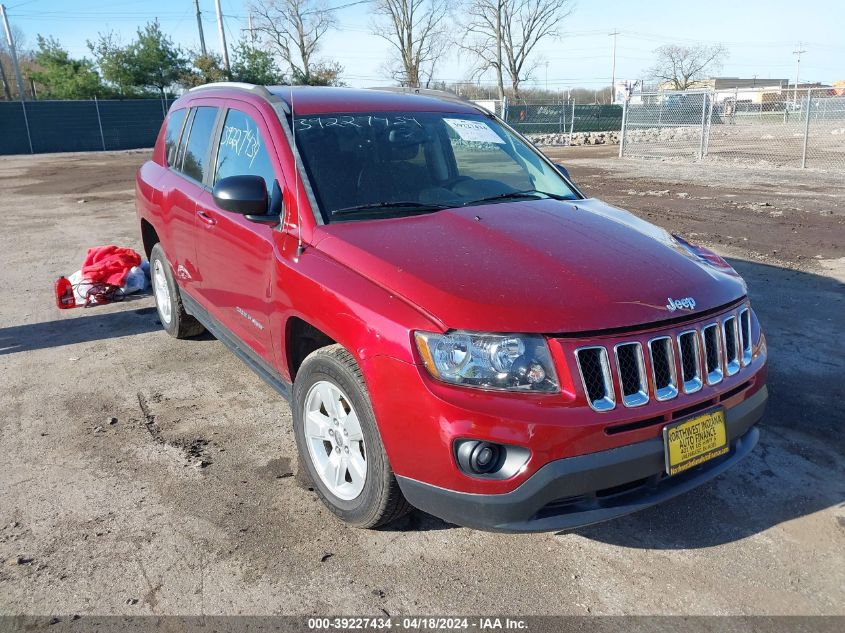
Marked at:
<point>542,266</point>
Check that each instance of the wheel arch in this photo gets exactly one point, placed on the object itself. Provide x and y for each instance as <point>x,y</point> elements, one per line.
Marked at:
<point>149,236</point>
<point>301,338</point>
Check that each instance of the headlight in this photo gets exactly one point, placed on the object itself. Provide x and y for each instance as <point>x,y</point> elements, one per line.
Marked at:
<point>491,361</point>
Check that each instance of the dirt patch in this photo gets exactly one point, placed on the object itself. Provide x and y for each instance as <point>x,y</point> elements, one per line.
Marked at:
<point>780,216</point>
<point>82,175</point>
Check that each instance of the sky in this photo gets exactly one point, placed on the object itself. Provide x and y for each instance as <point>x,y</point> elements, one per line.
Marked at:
<point>760,35</point>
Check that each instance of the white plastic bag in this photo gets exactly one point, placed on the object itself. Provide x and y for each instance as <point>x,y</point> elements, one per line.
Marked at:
<point>136,280</point>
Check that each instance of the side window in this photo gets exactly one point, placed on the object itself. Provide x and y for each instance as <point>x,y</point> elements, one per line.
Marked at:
<point>195,163</point>
<point>243,152</point>
<point>171,134</point>
<point>183,140</point>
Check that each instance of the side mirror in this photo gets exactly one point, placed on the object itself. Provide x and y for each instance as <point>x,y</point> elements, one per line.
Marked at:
<point>563,170</point>
<point>246,195</point>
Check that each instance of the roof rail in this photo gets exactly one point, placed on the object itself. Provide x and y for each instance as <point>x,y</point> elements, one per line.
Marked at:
<point>239,85</point>
<point>443,95</point>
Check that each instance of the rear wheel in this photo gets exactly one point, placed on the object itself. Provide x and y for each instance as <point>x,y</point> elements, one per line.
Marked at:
<point>171,312</point>
<point>339,443</point>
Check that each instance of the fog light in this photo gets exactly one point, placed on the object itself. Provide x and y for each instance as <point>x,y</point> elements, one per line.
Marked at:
<point>488,460</point>
<point>483,458</point>
<point>480,458</point>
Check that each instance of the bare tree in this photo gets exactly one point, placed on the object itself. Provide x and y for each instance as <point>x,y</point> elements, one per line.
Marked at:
<point>682,66</point>
<point>294,28</point>
<point>417,31</point>
<point>504,34</point>
<point>7,72</point>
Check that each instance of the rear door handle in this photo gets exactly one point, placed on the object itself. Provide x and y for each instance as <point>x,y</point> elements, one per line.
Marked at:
<point>206,219</point>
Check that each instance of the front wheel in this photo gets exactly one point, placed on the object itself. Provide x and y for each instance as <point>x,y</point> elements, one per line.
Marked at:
<point>339,443</point>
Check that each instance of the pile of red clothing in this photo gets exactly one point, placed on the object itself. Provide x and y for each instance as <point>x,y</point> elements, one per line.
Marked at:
<point>109,264</point>
<point>108,274</point>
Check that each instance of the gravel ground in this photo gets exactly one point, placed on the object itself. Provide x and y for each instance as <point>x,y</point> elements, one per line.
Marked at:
<point>145,475</point>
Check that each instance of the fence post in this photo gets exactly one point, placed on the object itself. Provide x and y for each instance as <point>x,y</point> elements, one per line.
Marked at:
<point>703,121</point>
<point>100,123</point>
<point>806,129</point>
<point>572,121</point>
<point>26,124</point>
<point>710,124</point>
<point>624,127</point>
<point>560,116</point>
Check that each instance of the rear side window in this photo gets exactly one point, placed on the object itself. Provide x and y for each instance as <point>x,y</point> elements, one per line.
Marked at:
<point>243,151</point>
<point>171,134</point>
<point>195,162</point>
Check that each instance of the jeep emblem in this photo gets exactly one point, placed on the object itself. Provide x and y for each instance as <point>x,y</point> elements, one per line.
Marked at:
<point>687,303</point>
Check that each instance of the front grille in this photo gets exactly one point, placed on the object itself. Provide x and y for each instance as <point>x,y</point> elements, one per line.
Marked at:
<point>665,366</point>
<point>731,346</point>
<point>632,377</point>
<point>690,361</point>
<point>745,335</point>
<point>712,353</point>
<point>595,374</point>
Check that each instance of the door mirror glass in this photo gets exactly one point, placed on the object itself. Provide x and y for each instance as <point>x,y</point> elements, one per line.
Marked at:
<point>246,195</point>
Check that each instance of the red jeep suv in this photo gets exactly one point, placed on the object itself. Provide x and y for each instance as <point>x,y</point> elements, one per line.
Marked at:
<point>457,327</point>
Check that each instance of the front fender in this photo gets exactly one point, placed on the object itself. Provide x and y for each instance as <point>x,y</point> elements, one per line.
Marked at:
<point>365,318</point>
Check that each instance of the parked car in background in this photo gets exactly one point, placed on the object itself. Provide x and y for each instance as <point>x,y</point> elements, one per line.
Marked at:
<point>457,327</point>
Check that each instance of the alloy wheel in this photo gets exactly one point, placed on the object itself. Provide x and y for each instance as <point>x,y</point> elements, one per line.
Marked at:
<point>335,440</point>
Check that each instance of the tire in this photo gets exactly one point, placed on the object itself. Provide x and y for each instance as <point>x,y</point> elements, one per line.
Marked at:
<point>330,374</point>
<point>171,312</point>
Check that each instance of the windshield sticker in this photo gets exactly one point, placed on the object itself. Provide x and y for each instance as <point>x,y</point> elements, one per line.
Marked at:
<point>476,131</point>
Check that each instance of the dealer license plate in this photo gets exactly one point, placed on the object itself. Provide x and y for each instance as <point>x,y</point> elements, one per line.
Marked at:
<point>694,441</point>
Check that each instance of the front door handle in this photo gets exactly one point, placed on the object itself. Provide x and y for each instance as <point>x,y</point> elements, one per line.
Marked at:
<point>206,219</point>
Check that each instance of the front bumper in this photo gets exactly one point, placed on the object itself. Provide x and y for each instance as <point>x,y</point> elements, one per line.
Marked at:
<point>586,489</point>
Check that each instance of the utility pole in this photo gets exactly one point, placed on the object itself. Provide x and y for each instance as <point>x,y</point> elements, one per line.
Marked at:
<point>613,67</point>
<point>199,26</point>
<point>547,76</point>
<point>797,52</point>
<point>12,51</point>
<point>250,28</point>
<point>499,49</point>
<point>222,37</point>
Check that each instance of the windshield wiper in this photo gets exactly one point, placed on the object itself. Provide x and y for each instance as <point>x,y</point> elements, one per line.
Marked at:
<point>374,206</point>
<point>525,193</point>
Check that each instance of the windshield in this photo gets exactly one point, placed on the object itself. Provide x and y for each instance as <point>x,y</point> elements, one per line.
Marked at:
<point>375,165</point>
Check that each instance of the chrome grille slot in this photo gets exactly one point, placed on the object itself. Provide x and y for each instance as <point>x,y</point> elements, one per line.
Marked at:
<point>745,335</point>
<point>632,378</point>
<point>731,346</point>
<point>594,367</point>
<point>637,371</point>
<point>663,368</point>
<point>712,353</point>
<point>690,361</point>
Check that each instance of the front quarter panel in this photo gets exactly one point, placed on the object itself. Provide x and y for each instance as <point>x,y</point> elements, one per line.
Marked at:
<point>365,318</point>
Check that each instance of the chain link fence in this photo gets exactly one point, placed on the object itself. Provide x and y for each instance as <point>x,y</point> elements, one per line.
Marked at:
<point>796,128</point>
<point>35,127</point>
<point>790,128</point>
<point>559,117</point>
